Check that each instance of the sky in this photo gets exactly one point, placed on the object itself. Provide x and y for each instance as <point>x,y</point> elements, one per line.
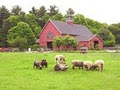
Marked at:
<point>104,11</point>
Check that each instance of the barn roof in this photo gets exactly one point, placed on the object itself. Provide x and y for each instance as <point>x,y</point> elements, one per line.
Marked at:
<point>82,32</point>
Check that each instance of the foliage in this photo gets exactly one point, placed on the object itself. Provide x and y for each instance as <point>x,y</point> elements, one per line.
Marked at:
<point>70,11</point>
<point>19,42</point>
<point>53,10</point>
<point>107,36</point>
<point>22,30</point>
<point>16,10</point>
<point>115,29</point>
<point>58,41</point>
<point>66,42</point>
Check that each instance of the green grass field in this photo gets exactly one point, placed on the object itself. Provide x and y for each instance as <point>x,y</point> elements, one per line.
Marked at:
<point>17,72</point>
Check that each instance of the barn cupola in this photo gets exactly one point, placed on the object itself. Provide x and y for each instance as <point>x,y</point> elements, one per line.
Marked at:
<point>69,19</point>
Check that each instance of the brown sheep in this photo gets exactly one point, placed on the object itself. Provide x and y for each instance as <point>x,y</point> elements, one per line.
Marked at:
<point>44,63</point>
<point>37,65</point>
<point>77,63</point>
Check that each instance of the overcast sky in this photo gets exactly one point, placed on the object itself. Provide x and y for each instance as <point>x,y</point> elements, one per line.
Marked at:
<point>105,11</point>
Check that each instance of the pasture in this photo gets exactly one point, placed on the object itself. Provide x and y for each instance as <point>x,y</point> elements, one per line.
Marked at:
<point>17,72</point>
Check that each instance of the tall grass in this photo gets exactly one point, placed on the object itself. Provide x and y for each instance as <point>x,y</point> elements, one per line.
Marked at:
<point>17,72</point>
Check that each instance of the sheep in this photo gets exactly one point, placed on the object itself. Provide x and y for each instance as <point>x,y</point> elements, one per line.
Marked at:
<point>59,58</point>
<point>56,68</point>
<point>44,63</point>
<point>98,64</point>
<point>87,65</point>
<point>61,67</point>
<point>37,65</point>
<point>77,63</point>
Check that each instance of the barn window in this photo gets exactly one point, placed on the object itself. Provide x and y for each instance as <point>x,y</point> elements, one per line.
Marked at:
<point>50,35</point>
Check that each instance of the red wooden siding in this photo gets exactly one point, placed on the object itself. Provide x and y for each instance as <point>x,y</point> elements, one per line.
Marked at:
<point>96,38</point>
<point>49,27</point>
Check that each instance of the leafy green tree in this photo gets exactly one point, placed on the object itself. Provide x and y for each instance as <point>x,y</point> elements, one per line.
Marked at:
<point>31,21</point>
<point>107,36</point>
<point>4,14</point>
<point>16,10</point>
<point>115,29</point>
<point>69,41</point>
<point>43,20</point>
<point>19,42</point>
<point>70,11</point>
<point>41,12</point>
<point>7,24</point>
<point>53,10</point>
<point>58,41</point>
<point>22,30</point>
<point>22,17</point>
<point>37,31</point>
<point>57,16</point>
<point>33,11</point>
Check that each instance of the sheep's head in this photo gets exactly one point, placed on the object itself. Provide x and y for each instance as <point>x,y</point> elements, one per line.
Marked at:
<point>94,67</point>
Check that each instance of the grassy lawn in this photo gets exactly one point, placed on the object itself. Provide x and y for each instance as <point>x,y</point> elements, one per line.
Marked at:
<point>17,72</point>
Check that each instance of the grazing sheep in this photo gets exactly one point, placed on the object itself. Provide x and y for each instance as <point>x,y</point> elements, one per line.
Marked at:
<point>61,67</point>
<point>59,58</point>
<point>87,65</point>
<point>56,68</point>
<point>98,64</point>
<point>77,63</point>
<point>37,65</point>
<point>44,63</point>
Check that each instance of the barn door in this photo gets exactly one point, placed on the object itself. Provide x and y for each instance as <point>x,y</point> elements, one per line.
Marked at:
<point>50,45</point>
<point>95,44</point>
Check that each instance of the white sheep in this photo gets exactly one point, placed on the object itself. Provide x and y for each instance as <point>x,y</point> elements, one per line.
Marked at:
<point>77,63</point>
<point>98,64</point>
<point>61,67</point>
<point>59,59</point>
<point>87,65</point>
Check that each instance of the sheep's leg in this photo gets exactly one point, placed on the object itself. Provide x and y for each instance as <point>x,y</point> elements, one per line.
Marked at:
<point>73,67</point>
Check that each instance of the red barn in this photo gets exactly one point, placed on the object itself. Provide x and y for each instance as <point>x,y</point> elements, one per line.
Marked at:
<point>57,28</point>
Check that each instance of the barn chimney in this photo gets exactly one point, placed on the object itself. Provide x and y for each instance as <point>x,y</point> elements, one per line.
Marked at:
<point>69,19</point>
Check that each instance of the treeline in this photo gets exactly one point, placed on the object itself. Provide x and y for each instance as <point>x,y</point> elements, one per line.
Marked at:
<point>18,28</point>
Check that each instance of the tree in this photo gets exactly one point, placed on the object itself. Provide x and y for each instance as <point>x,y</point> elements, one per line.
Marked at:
<point>19,42</point>
<point>79,19</point>
<point>31,21</point>
<point>4,14</point>
<point>58,41</point>
<point>107,37</point>
<point>69,42</point>
<point>53,10</point>
<point>41,12</point>
<point>22,30</point>
<point>57,16</point>
<point>33,11</point>
<point>37,31</point>
<point>16,10</point>
<point>70,11</point>
<point>115,29</point>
